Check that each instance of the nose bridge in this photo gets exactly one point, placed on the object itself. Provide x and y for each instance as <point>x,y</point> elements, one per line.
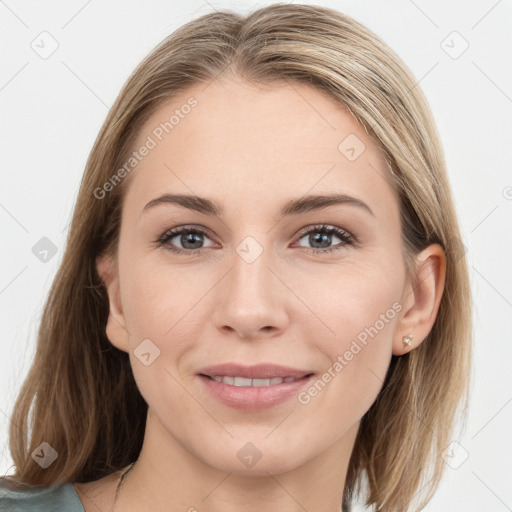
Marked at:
<point>251,298</point>
<point>252,262</point>
<point>251,277</point>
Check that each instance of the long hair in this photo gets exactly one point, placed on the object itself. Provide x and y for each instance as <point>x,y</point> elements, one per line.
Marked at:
<point>80,395</point>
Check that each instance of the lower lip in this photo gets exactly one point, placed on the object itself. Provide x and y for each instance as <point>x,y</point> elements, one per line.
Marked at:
<point>253,398</point>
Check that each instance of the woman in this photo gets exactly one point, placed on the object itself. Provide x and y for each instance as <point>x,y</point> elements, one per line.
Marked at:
<point>199,350</point>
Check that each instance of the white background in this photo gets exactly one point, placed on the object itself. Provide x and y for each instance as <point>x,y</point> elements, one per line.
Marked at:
<point>52,109</point>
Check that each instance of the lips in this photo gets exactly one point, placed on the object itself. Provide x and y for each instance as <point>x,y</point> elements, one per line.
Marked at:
<point>262,389</point>
<point>260,371</point>
<point>253,388</point>
<point>255,383</point>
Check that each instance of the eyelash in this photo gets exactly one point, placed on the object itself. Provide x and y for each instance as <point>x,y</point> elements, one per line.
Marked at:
<point>346,239</point>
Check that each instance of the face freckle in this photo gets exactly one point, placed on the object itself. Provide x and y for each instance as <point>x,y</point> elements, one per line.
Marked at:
<point>257,292</point>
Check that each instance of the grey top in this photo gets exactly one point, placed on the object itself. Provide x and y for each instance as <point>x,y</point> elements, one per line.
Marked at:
<point>59,498</point>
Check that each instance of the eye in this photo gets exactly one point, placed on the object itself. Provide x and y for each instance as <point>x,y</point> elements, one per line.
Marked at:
<point>192,238</point>
<point>322,236</point>
<point>189,238</point>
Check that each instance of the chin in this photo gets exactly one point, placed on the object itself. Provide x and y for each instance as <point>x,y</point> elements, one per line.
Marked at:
<point>258,457</point>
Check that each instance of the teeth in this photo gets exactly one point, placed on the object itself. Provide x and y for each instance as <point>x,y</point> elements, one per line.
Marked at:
<point>242,381</point>
<point>256,383</point>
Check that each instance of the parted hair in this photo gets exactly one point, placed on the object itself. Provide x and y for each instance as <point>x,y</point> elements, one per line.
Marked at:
<point>80,395</point>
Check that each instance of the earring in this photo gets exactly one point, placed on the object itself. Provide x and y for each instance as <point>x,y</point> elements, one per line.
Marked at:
<point>407,340</point>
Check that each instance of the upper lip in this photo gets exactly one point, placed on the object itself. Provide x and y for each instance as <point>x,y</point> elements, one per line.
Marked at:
<point>259,371</point>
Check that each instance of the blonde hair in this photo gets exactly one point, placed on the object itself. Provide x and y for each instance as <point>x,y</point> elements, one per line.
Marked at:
<point>80,395</point>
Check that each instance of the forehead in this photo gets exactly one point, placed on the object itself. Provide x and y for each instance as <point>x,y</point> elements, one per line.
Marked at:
<point>230,139</point>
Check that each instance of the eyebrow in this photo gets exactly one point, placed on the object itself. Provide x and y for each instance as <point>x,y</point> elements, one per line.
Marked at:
<point>292,207</point>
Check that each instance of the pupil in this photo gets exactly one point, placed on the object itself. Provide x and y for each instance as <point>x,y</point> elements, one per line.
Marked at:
<point>319,238</point>
<point>194,239</point>
<point>186,239</point>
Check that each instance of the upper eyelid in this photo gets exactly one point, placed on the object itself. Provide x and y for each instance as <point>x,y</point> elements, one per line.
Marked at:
<point>319,227</point>
<point>301,233</point>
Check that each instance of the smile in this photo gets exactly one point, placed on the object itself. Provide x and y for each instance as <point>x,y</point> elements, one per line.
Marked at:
<point>255,394</point>
<point>255,383</point>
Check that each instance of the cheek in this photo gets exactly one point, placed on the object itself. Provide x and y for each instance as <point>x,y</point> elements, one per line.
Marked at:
<point>156,295</point>
<point>159,310</point>
<point>167,304</point>
<point>359,307</point>
<point>353,296</point>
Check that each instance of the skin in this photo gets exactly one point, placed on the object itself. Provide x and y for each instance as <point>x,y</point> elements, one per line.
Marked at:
<point>252,148</point>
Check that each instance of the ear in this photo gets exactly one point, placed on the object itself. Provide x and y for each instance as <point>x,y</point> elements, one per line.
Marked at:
<point>421,299</point>
<point>116,324</point>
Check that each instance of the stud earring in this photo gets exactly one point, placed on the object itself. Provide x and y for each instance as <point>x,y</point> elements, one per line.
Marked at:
<point>407,340</point>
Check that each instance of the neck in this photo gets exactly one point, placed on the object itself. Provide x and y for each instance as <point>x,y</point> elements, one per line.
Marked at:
<point>168,475</point>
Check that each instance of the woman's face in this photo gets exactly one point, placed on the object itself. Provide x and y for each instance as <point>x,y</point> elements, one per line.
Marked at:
<point>253,285</point>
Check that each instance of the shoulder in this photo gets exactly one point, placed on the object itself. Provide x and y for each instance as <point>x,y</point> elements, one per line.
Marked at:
<point>27,498</point>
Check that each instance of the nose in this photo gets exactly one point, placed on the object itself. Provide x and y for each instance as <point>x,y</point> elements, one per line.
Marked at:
<point>252,300</point>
